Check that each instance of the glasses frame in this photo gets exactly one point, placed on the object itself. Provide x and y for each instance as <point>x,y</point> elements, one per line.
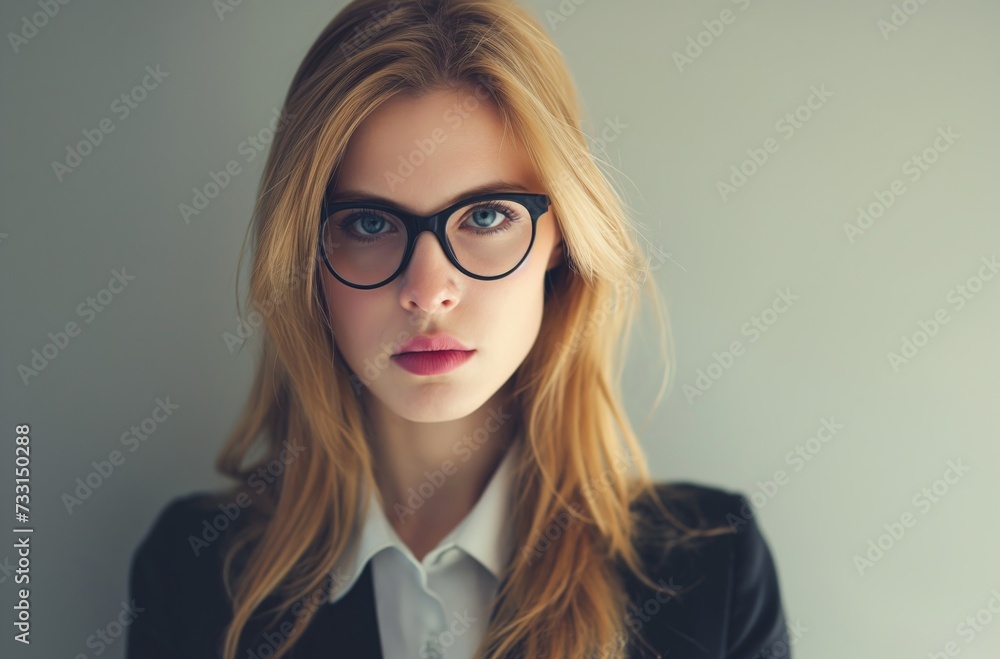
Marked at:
<point>436,223</point>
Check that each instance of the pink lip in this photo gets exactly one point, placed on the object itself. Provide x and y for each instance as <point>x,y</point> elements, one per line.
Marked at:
<point>432,342</point>
<point>432,362</point>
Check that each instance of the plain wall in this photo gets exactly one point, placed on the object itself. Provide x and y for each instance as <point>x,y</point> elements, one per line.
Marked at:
<point>682,129</point>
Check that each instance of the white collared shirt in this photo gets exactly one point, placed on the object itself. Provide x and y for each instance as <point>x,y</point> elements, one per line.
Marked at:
<point>436,608</point>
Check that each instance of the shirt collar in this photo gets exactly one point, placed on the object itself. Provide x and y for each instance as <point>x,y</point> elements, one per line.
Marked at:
<point>484,533</point>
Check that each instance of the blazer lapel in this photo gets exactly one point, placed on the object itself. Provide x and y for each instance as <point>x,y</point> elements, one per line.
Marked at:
<point>347,628</point>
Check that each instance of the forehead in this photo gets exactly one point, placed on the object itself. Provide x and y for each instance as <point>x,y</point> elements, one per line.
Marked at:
<point>422,152</point>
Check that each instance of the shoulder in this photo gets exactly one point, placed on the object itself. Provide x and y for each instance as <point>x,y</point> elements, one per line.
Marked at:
<point>188,529</point>
<point>175,576</point>
<point>696,503</point>
<point>689,515</point>
<point>711,550</point>
<point>190,533</point>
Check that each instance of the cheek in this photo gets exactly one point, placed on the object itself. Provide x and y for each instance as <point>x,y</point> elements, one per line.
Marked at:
<point>350,311</point>
<point>513,306</point>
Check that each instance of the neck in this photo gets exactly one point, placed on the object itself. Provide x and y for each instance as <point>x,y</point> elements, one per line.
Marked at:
<point>431,475</point>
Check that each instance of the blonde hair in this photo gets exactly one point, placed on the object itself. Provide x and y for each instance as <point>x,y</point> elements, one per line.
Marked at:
<point>560,598</point>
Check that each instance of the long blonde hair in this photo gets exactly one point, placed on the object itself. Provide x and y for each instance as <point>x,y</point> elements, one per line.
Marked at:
<point>561,597</point>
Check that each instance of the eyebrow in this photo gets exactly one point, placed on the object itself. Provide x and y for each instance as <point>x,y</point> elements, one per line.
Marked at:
<point>496,186</point>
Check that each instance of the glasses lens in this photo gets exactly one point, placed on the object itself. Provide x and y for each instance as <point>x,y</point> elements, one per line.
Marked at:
<point>490,237</point>
<point>365,246</point>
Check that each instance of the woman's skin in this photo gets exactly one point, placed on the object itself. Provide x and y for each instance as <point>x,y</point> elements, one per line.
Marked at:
<point>419,422</point>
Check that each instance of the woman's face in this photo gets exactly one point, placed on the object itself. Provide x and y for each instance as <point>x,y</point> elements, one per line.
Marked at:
<point>458,141</point>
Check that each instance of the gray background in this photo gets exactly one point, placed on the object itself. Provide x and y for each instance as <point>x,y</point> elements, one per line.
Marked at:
<point>825,357</point>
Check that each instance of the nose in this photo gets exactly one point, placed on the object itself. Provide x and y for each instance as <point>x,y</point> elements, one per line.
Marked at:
<point>429,282</point>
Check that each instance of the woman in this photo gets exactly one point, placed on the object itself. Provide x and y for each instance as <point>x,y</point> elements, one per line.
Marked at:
<point>442,466</point>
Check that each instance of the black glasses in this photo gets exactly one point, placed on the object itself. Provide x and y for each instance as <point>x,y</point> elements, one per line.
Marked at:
<point>488,236</point>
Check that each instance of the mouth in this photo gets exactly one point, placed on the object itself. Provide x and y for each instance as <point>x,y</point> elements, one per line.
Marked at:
<point>432,362</point>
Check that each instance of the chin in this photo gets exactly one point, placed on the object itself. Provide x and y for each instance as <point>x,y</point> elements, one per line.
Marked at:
<point>433,402</point>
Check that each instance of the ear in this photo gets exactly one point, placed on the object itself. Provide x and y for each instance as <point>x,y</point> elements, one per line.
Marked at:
<point>556,256</point>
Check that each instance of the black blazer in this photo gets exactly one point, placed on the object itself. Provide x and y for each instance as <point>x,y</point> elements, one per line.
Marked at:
<point>727,602</point>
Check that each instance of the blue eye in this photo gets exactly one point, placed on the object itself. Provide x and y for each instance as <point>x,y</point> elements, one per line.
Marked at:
<point>371,224</point>
<point>487,211</point>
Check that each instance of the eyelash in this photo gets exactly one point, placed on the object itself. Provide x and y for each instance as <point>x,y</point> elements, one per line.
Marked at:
<point>493,205</point>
